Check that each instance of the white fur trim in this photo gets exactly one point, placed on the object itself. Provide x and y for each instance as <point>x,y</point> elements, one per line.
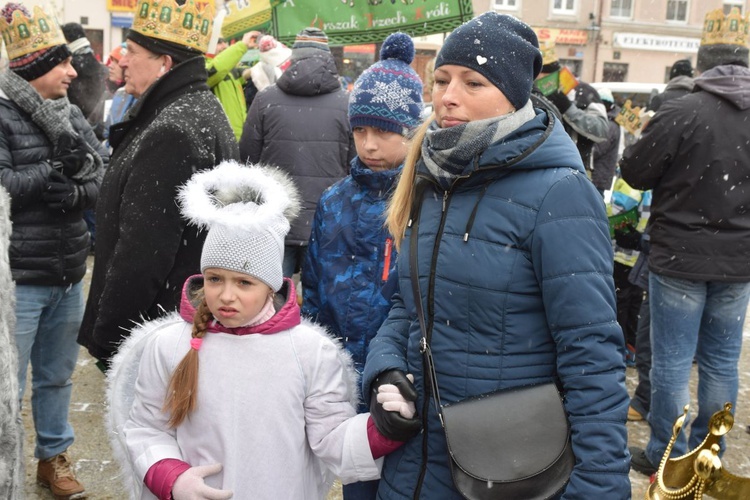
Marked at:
<point>121,378</point>
<point>240,196</point>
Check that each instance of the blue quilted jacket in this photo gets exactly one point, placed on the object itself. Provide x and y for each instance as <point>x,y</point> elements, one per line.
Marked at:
<point>350,258</point>
<point>515,270</point>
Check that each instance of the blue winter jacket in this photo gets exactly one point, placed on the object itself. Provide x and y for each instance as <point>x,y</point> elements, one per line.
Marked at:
<point>349,259</point>
<point>515,271</point>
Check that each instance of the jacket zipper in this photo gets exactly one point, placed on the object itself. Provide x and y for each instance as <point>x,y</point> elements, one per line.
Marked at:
<point>387,252</point>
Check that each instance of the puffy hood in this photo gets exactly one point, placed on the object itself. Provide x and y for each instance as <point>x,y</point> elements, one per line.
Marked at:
<point>729,82</point>
<point>681,82</point>
<point>310,76</point>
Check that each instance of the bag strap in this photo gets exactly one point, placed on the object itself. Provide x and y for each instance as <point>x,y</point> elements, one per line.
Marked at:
<point>424,345</point>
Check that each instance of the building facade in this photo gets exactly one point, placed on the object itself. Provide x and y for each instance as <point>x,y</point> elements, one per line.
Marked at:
<point>617,40</point>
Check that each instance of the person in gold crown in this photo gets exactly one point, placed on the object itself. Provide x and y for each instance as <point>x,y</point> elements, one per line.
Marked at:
<point>51,164</point>
<point>692,155</point>
<point>144,249</point>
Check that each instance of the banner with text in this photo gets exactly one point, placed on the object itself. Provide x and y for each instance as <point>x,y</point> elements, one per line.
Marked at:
<point>354,22</point>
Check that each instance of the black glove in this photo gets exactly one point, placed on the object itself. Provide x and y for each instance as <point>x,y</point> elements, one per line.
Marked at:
<point>390,423</point>
<point>60,192</point>
<point>628,238</point>
<point>71,154</point>
<point>561,101</point>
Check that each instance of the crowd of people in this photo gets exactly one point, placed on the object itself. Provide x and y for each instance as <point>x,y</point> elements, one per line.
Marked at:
<point>287,274</point>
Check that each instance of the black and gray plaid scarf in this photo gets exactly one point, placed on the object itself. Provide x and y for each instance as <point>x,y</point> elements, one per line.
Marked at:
<point>448,152</point>
<point>51,115</point>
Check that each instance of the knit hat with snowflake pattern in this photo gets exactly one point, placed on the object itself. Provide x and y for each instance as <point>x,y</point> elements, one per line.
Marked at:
<point>388,94</point>
<point>247,210</point>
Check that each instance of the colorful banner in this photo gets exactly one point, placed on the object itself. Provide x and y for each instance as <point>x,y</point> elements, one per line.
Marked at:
<point>248,16</point>
<point>354,22</point>
<point>121,5</point>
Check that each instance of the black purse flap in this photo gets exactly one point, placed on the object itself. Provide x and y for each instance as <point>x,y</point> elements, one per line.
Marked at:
<point>509,434</point>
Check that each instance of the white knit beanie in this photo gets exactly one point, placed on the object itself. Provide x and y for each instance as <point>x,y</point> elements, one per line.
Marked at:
<point>247,210</point>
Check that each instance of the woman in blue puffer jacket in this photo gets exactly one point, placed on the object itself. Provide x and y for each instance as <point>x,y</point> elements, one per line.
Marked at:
<point>514,263</point>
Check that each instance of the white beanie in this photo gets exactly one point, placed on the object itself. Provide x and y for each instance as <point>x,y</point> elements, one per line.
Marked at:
<point>247,210</point>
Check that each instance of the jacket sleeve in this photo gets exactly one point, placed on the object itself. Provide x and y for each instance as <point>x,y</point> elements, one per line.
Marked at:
<point>312,269</point>
<point>387,349</point>
<point>24,186</point>
<point>643,165</point>
<point>151,227</point>
<point>336,434</point>
<point>89,191</point>
<point>572,256</point>
<point>591,122</point>
<point>251,141</point>
<point>220,66</point>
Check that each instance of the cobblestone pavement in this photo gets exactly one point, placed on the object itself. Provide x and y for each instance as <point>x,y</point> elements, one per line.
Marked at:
<point>96,468</point>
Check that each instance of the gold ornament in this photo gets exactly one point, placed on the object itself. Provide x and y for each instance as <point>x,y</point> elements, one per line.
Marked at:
<point>25,35</point>
<point>731,29</point>
<point>700,471</point>
<point>181,24</point>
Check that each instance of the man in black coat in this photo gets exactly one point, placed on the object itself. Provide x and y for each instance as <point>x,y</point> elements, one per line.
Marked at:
<point>144,249</point>
<point>692,154</point>
<point>301,125</point>
<point>680,83</point>
<point>51,164</point>
<point>87,90</point>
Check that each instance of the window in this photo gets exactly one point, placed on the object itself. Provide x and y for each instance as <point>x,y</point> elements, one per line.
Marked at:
<point>567,7</point>
<point>621,8</point>
<point>506,4</point>
<point>614,72</point>
<point>728,4</point>
<point>677,10</point>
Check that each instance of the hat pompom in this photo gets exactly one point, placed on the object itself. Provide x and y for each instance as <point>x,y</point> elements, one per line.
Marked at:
<point>398,46</point>
<point>10,7</point>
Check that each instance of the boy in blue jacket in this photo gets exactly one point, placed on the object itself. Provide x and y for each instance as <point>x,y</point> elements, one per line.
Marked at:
<point>350,256</point>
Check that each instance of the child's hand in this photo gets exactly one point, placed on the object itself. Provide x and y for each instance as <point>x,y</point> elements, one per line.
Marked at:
<point>190,485</point>
<point>392,400</point>
<point>392,424</point>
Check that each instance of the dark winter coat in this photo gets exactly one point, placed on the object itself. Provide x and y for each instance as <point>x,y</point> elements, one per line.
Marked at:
<point>606,154</point>
<point>87,90</point>
<point>700,176</point>
<point>350,258</point>
<point>144,248</point>
<point>301,125</point>
<point>48,246</point>
<point>676,87</point>
<point>520,293</point>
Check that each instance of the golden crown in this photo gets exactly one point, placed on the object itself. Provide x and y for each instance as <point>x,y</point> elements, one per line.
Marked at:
<point>181,24</point>
<point>700,471</point>
<point>730,29</point>
<point>25,35</point>
<point>549,54</point>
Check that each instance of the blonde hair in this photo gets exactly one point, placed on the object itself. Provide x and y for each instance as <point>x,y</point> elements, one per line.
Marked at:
<point>183,386</point>
<point>399,206</point>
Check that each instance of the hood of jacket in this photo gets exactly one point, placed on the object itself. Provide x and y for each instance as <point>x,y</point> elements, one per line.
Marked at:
<point>287,315</point>
<point>537,144</point>
<point>310,76</point>
<point>730,82</point>
<point>681,82</point>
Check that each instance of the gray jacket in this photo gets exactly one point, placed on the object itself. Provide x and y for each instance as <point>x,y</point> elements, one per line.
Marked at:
<point>301,125</point>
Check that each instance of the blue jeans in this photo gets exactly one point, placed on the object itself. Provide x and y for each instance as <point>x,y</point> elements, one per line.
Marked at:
<point>47,322</point>
<point>294,256</point>
<point>701,319</point>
